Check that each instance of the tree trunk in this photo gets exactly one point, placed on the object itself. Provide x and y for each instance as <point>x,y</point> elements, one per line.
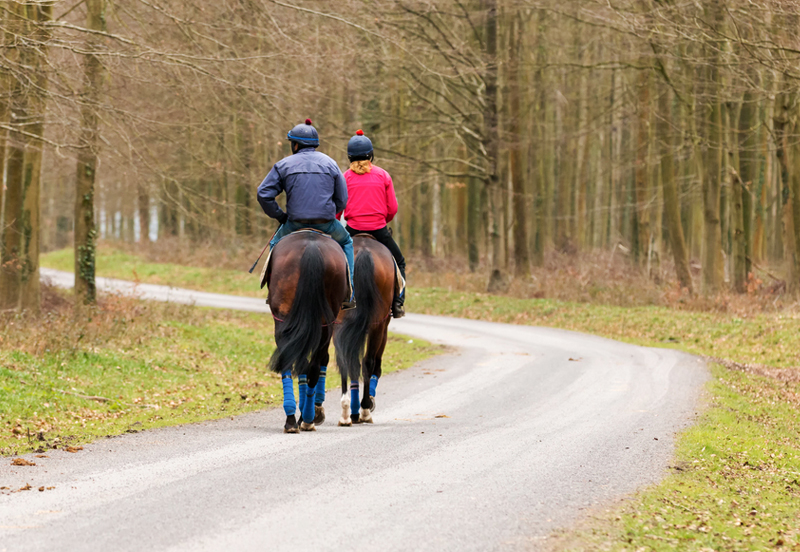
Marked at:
<point>491,144</point>
<point>85,230</point>
<point>642,183</point>
<point>521,259</point>
<point>473,222</point>
<point>672,208</point>
<point>30,298</point>
<point>10,264</point>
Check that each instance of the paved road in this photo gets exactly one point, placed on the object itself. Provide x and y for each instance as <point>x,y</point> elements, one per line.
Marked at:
<point>491,447</point>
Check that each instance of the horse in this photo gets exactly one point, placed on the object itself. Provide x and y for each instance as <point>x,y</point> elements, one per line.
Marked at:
<point>307,278</point>
<point>361,336</point>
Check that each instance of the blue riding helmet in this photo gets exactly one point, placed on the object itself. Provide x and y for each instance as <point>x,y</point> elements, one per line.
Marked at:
<point>359,147</point>
<point>305,135</point>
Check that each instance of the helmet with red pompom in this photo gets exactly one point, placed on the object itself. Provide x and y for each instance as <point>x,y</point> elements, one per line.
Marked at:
<point>305,135</point>
<point>359,147</point>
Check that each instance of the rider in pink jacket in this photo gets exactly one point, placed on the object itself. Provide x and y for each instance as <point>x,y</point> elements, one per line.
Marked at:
<point>372,203</point>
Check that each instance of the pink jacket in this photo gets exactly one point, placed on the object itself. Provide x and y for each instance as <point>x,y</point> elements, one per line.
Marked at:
<point>371,201</point>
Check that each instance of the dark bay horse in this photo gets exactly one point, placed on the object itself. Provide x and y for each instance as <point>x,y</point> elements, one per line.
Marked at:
<point>361,336</point>
<point>307,277</point>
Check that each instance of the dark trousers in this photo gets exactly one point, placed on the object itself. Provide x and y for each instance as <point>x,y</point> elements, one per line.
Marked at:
<point>385,237</point>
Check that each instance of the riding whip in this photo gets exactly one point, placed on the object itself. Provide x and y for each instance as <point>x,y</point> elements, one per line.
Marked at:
<point>252,268</point>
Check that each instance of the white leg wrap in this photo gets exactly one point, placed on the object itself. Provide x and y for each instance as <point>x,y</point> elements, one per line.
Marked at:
<point>345,420</point>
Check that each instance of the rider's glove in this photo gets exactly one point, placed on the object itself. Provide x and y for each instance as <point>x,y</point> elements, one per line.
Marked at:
<point>284,218</point>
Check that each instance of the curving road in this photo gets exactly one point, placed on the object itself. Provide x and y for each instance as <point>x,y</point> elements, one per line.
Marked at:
<point>491,447</point>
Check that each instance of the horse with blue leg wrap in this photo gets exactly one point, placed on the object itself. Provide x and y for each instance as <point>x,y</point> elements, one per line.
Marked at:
<point>361,336</point>
<point>307,278</point>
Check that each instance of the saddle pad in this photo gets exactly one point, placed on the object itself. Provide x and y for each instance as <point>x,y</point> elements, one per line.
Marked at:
<point>399,281</point>
<point>265,271</point>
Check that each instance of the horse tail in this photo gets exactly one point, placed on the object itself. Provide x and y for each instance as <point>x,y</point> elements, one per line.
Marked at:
<point>351,338</point>
<point>301,331</point>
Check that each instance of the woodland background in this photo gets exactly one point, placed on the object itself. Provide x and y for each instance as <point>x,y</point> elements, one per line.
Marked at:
<point>664,132</point>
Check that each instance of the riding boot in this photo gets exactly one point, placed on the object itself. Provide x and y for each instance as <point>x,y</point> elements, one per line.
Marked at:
<point>398,311</point>
<point>397,305</point>
<point>348,253</point>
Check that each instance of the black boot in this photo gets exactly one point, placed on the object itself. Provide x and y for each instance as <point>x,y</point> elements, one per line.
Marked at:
<point>397,308</point>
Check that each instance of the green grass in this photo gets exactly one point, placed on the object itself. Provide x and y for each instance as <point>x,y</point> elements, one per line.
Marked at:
<point>114,263</point>
<point>146,365</point>
<point>735,484</point>
<point>736,481</point>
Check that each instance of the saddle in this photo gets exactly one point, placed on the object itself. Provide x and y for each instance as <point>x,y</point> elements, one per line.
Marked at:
<point>267,269</point>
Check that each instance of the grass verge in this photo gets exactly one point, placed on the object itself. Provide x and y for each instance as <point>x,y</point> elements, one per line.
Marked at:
<point>68,378</point>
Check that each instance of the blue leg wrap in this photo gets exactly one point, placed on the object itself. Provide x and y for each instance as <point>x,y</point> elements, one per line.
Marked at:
<point>303,392</point>
<point>307,402</point>
<point>373,385</point>
<point>355,403</point>
<point>320,396</point>
<point>289,406</point>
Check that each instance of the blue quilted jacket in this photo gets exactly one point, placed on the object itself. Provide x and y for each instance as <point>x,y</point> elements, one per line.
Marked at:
<point>314,186</point>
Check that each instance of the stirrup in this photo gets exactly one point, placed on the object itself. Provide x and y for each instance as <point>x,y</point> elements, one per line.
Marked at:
<point>347,305</point>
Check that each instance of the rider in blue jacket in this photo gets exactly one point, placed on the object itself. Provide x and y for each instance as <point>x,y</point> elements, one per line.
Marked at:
<point>315,192</point>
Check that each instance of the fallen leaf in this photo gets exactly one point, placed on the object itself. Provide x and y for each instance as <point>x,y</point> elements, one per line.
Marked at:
<point>574,359</point>
<point>41,489</point>
<point>27,487</point>
<point>22,462</point>
<point>42,456</point>
<point>441,416</point>
<point>73,449</point>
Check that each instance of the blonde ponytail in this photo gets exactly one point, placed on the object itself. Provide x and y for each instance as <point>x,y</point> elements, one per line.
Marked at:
<point>361,167</point>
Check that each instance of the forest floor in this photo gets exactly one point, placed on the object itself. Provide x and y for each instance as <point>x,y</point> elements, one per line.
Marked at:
<point>735,483</point>
<point>68,378</point>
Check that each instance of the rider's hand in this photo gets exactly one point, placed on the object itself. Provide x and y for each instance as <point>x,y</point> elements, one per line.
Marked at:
<point>284,218</point>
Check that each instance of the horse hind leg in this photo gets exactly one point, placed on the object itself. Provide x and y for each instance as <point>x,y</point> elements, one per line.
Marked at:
<point>319,397</point>
<point>345,420</point>
<point>306,404</point>
<point>354,403</point>
<point>289,404</point>
<point>367,403</point>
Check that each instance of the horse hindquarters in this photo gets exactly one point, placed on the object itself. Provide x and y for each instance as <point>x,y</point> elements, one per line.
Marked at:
<point>300,336</point>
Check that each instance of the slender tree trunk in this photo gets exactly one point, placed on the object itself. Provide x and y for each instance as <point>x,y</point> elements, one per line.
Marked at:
<point>671,201</point>
<point>30,298</point>
<point>747,168</point>
<point>491,144</point>
<point>521,259</point>
<point>85,230</point>
<point>10,262</point>
<point>784,108</point>
<point>642,183</point>
<point>473,222</point>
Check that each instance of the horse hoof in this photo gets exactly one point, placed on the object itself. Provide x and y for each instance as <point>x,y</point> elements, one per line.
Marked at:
<point>354,418</point>
<point>291,425</point>
<point>319,415</point>
<point>372,406</point>
<point>345,423</point>
<point>307,427</point>
<point>366,417</point>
